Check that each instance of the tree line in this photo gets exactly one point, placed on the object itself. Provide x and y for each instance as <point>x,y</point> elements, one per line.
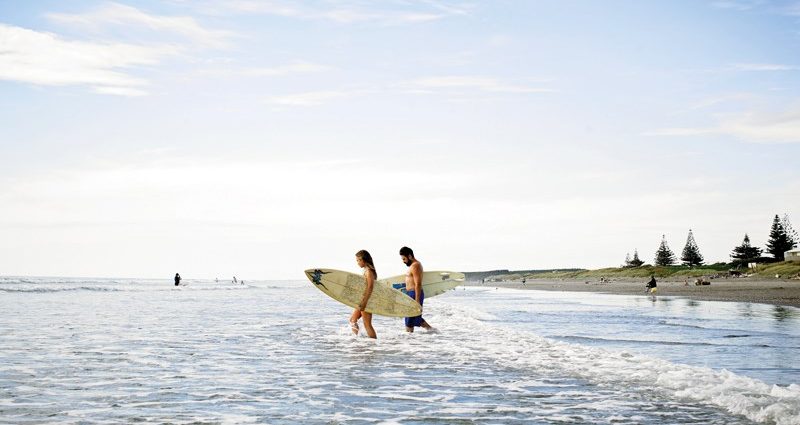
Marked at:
<point>782,238</point>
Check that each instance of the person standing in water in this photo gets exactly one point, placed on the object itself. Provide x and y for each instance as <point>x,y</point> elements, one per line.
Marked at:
<point>413,287</point>
<point>177,279</point>
<point>651,285</point>
<point>364,260</point>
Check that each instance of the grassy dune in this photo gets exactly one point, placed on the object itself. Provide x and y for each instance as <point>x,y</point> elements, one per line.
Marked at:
<point>784,269</point>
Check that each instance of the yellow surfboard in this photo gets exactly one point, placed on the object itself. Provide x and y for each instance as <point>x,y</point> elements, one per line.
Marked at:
<point>348,288</point>
<point>433,283</point>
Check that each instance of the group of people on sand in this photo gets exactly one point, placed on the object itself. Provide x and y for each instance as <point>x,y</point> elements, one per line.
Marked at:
<point>413,289</point>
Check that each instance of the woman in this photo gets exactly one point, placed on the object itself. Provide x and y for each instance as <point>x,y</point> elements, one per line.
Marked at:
<point>364,260</point>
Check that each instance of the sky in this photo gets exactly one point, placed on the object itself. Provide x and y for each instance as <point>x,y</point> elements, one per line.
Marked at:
<point>261,138</point>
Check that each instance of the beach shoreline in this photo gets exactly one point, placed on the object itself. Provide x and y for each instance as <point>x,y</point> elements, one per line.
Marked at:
<point>781,292</point>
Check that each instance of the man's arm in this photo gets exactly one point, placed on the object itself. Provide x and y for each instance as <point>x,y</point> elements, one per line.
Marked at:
<point>417,276</point>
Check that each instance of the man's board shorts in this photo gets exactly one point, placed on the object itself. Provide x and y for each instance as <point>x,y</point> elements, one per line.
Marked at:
<point>416,320</point>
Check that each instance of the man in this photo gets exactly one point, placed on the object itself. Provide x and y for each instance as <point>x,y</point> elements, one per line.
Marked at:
<point>413,287</point>
<point>651,285</point>
<point>177,279</point>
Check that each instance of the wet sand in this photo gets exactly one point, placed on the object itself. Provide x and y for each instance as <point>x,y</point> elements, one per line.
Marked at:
<point>764,291</point>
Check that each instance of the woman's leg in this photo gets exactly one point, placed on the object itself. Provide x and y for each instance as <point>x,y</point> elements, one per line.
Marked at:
<point>368,324</point>
<point>354,320</point>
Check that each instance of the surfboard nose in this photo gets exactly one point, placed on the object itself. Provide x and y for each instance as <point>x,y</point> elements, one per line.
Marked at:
<point>310,274</point>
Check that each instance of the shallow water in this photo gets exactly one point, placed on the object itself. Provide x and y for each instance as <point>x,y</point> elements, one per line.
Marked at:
<point>99,351</point>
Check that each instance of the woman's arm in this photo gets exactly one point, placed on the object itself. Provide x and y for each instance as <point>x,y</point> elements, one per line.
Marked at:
<point>368,291</point>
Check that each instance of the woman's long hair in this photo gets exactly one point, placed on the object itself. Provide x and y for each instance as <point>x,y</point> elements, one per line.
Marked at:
<point>364,255</point>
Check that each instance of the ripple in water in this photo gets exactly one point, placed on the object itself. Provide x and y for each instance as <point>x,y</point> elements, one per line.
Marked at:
<point>281,352</point>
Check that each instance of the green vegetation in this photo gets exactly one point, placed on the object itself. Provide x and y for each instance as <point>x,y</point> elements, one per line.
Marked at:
<point>782,238</point>
<point>779,240</point>
<point>691,252</point>
<point>635,262</point>
<point>643,272</point>
<point>664,256</point>
<point>746,253</point>
<point>784,269</point>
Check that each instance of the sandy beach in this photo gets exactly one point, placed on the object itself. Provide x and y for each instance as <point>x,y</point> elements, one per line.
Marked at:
<point>774,291</point>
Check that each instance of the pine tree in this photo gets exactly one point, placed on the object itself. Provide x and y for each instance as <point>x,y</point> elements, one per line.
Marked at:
<point>778,242</point>
<point>636,262</point>
<point>745,252</point>
<point>691,252</point>
<point>627,260</point>
<point>791,234</point>
<point>664,255</point>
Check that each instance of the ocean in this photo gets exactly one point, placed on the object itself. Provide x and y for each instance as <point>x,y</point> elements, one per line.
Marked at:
<point>132,350</point>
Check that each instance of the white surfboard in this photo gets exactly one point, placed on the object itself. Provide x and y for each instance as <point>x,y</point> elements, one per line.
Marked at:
<point>433,283</point>
<point>348,289</point>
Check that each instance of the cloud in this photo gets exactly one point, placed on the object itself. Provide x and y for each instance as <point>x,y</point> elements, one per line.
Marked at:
<point>120,91</point>
<point>430,85</point>
<point>791,9</point>
<point>46,59</point>
<point>716,100</point>
<point>740,5</point>
<point>313,98</point>
<point>764,67</point>
<point>348,12</point>
<point>484,84</point>
<point>775,7</point>
<point>294,68</point>
<point>114,14</point>
<point>749,127</point>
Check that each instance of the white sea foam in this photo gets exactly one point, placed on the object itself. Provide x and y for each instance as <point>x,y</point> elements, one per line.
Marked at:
<point>737,394</point>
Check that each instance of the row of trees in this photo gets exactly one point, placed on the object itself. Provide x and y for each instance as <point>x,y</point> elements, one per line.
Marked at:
<point>782,237</point>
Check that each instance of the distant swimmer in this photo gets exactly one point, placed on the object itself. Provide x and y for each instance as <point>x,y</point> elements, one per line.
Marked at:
<point>364,260</point>
<point>177,279</point>
<point>234,279</point>
<point>651,285</point>
<point>413,287</point>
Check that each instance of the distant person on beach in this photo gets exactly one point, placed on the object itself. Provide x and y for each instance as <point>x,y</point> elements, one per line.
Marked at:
<point>234,279</point>
<point>651,285</point>
<point>177,279</point>
<point>364,260</point>
<point>413,287</point>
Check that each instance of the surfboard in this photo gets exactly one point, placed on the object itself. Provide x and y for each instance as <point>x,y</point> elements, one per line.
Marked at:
<point>433,283</point>
<point>348,288</point>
